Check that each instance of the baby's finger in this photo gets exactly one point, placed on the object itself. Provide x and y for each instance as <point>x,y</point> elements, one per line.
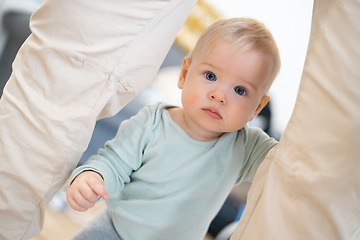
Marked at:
<point>88,193</point>
<point>82,201</point>
<point>74,205</point>
<point>99,189</point>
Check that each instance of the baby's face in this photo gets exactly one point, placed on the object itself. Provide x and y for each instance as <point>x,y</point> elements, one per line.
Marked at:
<point>223,90</point>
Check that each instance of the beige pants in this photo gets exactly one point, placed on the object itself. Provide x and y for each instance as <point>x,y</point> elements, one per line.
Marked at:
<point>309,187</point>
<point>85,60</point>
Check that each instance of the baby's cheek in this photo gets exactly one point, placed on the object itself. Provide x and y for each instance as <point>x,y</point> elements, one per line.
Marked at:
<point>192,98</point>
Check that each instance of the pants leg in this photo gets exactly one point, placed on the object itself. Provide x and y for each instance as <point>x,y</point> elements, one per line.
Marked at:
<point>308,188</point>
<point>83,61</point>
<point>100,227</point>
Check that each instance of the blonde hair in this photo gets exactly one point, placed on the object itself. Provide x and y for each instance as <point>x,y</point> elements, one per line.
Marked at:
<point>243,34</point>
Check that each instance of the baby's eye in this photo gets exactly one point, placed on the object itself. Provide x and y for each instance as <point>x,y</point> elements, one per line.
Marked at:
<point>240,91</point>
<point>210,76</point>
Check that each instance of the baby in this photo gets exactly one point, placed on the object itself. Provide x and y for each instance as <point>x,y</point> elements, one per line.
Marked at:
<point>169,169</point>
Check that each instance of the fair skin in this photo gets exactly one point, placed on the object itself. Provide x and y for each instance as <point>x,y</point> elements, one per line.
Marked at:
<point>85,190</point>
<point>221,91</point>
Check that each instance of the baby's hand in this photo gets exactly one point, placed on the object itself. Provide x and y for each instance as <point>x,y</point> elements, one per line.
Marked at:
<point>85,190</point>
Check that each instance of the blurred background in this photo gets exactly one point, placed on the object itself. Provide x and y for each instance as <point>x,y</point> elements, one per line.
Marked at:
<point>288,20</point>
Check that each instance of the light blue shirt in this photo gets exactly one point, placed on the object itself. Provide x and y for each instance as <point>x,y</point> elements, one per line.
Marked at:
<point>162,184</point>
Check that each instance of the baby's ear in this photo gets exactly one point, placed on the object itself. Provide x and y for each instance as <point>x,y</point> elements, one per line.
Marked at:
<point>183,73</point>
<point>264,100</point>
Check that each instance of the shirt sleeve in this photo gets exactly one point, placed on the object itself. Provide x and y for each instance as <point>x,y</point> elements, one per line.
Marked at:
<point>257,145</point>
<point>123,154</point>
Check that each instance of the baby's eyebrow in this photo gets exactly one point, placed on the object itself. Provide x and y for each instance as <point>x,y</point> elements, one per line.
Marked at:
<point>249,83</point>
<point>254,87</point>
<point>209,64</point>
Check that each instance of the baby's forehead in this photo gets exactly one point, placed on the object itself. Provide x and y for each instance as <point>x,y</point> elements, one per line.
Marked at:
<point>234,50</point>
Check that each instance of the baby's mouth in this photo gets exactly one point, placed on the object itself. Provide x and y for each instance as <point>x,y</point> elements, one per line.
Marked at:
<point>213,113</point>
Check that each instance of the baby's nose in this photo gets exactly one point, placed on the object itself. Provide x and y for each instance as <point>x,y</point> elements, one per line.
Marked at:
<point>218,95</point>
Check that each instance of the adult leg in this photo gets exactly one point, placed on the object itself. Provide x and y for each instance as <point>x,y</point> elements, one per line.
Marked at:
<point>84,60</point>
<point>308,188</point>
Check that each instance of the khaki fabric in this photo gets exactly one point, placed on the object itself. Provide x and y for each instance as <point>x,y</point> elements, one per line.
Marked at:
<point>85,60</point>
<point>309,186</point>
